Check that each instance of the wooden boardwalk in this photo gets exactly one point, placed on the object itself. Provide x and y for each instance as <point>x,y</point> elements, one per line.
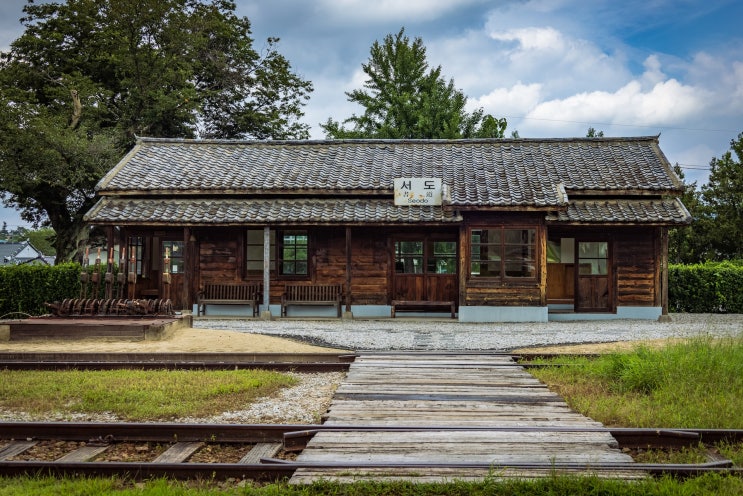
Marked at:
<point>490,411</point>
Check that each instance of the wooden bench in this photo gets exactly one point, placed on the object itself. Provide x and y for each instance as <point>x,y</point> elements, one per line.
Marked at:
<point>316,295</point>
<point>229,294</point>
<point>413,306</point>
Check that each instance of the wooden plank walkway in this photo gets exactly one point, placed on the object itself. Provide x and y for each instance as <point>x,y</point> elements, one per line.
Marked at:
<point>502,404</point>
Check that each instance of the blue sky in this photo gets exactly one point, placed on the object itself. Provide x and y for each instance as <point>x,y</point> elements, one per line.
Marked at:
<point>551,67</point>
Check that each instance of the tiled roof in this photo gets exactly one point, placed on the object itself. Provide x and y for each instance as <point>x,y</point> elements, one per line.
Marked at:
<point>661,211</point>
<point>221,211</point>
<point>479,173</point>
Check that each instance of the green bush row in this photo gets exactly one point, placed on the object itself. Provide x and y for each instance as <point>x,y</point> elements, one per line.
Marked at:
<point>712,287</point>
<point>25,288</point>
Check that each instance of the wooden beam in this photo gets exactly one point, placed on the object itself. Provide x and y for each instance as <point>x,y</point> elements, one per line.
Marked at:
<point>188,271</point>
<point>266,268</point>
<point>464,253</point>
<point>664,269</point>
<point>348,269</point>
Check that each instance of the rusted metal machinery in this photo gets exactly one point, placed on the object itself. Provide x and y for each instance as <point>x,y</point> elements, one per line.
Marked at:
<point>91,307</point>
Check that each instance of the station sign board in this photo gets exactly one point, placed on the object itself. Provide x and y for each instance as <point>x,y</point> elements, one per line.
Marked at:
<point>418,191</point>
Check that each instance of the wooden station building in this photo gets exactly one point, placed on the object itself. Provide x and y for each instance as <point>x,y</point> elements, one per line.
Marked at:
<point>506,230</point>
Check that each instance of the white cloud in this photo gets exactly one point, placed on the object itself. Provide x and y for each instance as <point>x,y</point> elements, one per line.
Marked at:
<point>519,99</point>
<point>533,38</point>
<point>667,103</point>
<point>391,10</point>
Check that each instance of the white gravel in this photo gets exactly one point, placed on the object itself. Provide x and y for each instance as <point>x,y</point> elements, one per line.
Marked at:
<point>436,334</point>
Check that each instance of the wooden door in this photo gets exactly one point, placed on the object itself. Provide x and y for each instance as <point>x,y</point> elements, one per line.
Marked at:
<point>425,268</point>
<point>593,283</point>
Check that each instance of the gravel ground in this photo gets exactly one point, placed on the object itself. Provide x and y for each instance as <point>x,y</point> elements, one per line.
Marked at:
<point>435,334</point>
<point>305,402</point>
<point>300,404</point>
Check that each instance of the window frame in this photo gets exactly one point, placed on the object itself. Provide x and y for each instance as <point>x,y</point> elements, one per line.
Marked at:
<point>503,260</point>
<point>281,246</point>
<point>276,254</point>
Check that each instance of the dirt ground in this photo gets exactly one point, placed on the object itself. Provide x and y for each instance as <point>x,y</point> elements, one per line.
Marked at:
<point>181,340</point>
<point>210,340</point>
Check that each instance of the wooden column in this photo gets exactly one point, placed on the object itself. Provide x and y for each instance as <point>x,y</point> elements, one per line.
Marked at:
<point>542,260</point>
<point>266,313</point>
<point>348,272</point>
<point>464,252</point>
<point>187,272</point>
<point>664,271</point>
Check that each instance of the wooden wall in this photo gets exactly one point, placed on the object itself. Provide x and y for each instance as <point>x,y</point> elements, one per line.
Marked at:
<point>636,266</point>
<point>636,263</point>
<point>636,260</point>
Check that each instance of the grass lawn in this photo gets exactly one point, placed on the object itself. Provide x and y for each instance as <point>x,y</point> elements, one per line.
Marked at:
<point>137,395</point>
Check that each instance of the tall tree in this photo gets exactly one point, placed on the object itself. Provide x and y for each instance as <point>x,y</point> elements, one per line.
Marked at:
<point>87,76</point>
<point>690,244</point>
<point>723,194</point>
<point>403,98</point>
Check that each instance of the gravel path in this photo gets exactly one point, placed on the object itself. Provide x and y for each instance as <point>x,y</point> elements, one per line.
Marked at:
<point>422,334</point>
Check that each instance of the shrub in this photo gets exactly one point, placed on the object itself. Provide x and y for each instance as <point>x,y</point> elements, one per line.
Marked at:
<point>25,288</point>
<point>712,287</point>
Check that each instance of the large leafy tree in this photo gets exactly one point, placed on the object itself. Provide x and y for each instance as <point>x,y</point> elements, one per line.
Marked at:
<point>716,230</point>
<point>87,76</point>
<point>689,244</point>
<point>723,195</point>
<point>403,98</point>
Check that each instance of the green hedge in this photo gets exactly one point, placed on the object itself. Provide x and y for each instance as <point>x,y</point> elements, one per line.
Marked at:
<point>25,288</point>
<point>712,287</point>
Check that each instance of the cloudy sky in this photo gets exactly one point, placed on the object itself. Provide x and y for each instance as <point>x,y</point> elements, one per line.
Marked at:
<point>551,67</point>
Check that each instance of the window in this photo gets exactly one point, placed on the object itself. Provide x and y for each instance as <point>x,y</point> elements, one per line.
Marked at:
<point>503,253</point>
<point>293,253</point>
<point>254,253</point>
<point>442,257</point>
<point>593,258</point>
<point>409,257</point>
<point>174,251</point>
<point>136,248</point>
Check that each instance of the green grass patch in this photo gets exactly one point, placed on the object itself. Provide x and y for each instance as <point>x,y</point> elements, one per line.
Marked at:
<point>710,484</point>
<point>695,384</point>
<point>137,395</point>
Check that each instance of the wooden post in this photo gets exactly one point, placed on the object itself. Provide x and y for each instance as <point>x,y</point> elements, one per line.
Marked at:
<point>664,274</point>
<point>132,274</point>
<point>542,261</point>
<point>187,272</point>
<point>348,314</point>
<point>464,254</point>
<point>97,275</point>
<point>266,313</point>
<point>166,275</point>
<point>84,276</point>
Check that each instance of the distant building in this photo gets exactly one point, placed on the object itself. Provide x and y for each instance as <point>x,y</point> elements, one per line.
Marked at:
<point>21,253</point>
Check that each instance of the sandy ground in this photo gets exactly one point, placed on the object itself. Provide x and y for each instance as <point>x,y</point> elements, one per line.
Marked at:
<point>181,340</point>
<point>210,340</point>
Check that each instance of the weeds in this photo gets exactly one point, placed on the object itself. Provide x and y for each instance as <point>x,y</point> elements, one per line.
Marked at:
<point>696,383</point>
<point>137,395</point>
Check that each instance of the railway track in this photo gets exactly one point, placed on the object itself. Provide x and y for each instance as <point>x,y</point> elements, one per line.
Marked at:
<point>298,362</point>
<point>266,452</point>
